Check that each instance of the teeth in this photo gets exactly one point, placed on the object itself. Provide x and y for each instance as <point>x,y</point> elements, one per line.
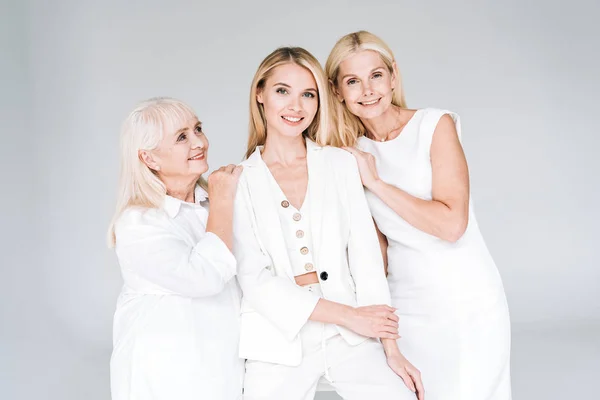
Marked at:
<point>292,119</point>
<point>368,103</point>
<point>199,156</point>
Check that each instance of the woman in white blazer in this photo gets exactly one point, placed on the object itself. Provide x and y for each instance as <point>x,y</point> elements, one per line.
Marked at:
<point>176,327</point>
<point>309,261</point>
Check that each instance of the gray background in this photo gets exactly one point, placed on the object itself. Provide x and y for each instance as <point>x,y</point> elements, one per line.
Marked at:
<point>522,75</point>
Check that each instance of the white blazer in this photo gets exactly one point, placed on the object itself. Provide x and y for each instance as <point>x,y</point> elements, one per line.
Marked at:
<point>345,247</point>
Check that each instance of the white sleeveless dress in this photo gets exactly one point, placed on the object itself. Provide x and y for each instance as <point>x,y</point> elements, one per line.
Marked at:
<point>454,321</point>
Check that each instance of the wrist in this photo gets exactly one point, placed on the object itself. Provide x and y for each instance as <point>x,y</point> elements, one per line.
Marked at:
<point>376,185</point>
<point>390,347</point>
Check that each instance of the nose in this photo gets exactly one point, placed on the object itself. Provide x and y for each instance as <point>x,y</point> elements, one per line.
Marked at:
<point>367,90</point>
<point>197,142</point>
<point>294,104</point>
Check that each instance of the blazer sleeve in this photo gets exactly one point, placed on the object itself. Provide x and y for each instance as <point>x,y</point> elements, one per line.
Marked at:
<point>276,298</point>
<point>364,253</point>
<point>150,248</point>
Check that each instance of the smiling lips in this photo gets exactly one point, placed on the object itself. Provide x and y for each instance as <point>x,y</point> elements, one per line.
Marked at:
<point>199,156</point>
<point>369,103</point>
<point>292,120</point>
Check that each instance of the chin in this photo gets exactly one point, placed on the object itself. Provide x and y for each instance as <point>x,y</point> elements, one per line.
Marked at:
<point>293,132</point>
<point>200,169</point>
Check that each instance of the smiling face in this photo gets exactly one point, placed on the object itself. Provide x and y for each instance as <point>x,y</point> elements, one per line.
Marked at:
<point>290,100</point>
<point>365,84</point>
<point>181,154</point>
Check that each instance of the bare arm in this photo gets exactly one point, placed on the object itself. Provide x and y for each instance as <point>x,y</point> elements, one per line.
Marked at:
<point>372,321</point>
<point>446,215</point>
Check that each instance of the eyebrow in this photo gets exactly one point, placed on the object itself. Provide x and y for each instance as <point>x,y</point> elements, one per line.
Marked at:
<point>373,70</point>
<point>185,128</point>
<point>288,86</point>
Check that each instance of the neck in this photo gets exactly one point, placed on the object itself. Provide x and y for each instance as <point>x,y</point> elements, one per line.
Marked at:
<point>381,127</point>
<point>283,150</point>
<point>181,189</point>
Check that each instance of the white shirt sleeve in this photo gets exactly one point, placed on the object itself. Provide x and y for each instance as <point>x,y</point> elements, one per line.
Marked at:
<point>151,248</point>
<point>364,253</point>
<point>276,298</point>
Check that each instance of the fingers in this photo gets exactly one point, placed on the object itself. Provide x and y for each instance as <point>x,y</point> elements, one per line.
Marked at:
<point>391,324</point>
<point>407,379</point>
<point>387,335</point>
<point>237,171</point>
<point>416,378</point>
<point>383,307</point>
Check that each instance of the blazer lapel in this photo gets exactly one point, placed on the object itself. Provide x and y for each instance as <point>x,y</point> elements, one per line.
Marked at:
<point>316,178</point>
<point>265,209</point>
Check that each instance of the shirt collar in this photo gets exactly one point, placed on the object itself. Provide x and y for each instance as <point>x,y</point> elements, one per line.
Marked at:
<point>172,205</point>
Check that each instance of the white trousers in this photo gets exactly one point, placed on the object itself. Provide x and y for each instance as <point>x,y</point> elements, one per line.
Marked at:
<point>355,372</point>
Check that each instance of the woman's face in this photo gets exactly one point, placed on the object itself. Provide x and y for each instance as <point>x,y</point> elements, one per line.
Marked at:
<point>365,84</point>
<point>182,153</point>
<point>290,100</point>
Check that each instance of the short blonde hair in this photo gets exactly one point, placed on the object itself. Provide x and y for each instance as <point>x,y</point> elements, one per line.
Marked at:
<point>319,127</point>
<point>347,125</point>
<point>144,129</point>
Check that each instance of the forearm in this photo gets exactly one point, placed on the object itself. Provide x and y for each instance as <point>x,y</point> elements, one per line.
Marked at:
<point>390,347</point>
<point>220,221</point>
<point>431,216</point>
<point>332,313</point>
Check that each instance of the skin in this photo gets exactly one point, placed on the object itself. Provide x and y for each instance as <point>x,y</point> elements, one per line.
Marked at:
<point>364,77</point>
<point>179,161</point>
<point>291,92</point>
<point>366,85</point>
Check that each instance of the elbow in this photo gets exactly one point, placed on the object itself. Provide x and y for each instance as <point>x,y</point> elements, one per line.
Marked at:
<point>456,230</point>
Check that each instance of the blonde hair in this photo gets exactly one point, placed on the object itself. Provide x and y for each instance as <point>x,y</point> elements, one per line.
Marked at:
<point>319,127</point>
<point>348,126</point>
<point>143,129</point>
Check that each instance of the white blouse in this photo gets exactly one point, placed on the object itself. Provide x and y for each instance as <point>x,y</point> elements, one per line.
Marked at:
<point>176,327</point>
<point>295,228</point>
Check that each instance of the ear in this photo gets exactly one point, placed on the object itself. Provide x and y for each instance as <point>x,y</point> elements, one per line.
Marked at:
<point>336,91</point>
<point>146,157</point>
<point>394,73</point>
<point>259,96</point>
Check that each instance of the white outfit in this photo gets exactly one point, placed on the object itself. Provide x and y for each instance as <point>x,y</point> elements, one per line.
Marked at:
<point>176,327</point>
<point>332,234</point>
<point>356,372</point>
<point>454,322</point>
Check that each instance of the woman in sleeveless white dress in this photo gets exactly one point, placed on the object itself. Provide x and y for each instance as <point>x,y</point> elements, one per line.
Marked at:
<point>454,318</point>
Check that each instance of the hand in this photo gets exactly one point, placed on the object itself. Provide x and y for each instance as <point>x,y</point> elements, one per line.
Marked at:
<point>374,321</point>
<point>409,374</point>
<point>366,166</point>
<point>222,183</point>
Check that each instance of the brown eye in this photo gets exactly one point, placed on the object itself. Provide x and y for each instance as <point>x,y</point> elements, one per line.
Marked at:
<point>182,137</point>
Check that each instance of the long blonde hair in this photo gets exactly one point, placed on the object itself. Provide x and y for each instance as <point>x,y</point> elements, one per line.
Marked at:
<point>348,126</point>
<point>319,127</point>
<point>143,129</point>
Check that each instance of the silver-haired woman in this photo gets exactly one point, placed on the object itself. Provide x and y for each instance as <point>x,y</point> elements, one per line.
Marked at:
<point>176,327</point>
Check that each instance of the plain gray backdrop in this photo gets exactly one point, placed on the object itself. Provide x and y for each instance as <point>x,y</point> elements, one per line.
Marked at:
<point>523,75</point>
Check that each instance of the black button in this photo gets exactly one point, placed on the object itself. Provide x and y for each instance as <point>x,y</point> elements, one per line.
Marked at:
<point>324,275</point>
